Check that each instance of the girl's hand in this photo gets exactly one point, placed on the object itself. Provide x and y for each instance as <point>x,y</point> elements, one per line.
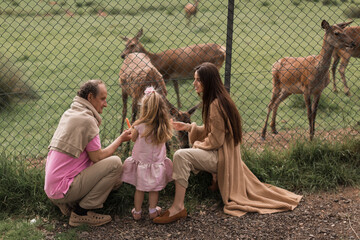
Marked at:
<point>179,126</point>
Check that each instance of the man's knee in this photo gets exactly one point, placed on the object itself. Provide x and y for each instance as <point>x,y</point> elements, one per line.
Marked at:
<point>114,162</point>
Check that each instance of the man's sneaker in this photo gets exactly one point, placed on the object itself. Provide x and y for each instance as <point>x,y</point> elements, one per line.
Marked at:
<point>92,219</point>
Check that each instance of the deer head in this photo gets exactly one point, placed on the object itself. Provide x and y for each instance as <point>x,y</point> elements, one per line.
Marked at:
<point>183,136</point>
<point>336,36</point>
<point>183,117</point>
<point>133,45</point>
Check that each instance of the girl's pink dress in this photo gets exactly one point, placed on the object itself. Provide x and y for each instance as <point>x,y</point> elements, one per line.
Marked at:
<point>148,169</point>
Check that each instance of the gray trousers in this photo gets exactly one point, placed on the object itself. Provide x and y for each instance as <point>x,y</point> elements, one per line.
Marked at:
<point>193,159</point>
<point>92,186</point>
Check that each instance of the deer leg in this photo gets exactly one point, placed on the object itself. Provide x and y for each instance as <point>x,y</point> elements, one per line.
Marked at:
<point>307,99</point>
<point>333,70</point>
<point>313,115</point>
<point>134,110</point>
<point>270,108</point>
<point>124,111</point>
<point>282,97</point>
<point>176,87</point>
<point>343,64</point>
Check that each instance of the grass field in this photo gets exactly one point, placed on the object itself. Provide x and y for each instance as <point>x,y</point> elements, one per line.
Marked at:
<point>56,52</point>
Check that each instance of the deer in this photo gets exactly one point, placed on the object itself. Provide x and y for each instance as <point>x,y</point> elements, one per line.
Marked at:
<point>191,10</point>
<point>178,63</point>
<point>137,73</point>
<point>306,75</point>
<point>344,55</point>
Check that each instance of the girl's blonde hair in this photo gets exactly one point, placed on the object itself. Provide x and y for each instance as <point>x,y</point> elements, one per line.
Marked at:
<point>154,113</point>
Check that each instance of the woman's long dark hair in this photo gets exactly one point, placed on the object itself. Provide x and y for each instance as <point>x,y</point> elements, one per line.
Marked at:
<point>213,88</point>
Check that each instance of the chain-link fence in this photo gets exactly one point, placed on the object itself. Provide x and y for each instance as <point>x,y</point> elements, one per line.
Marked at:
<point>48,48</point>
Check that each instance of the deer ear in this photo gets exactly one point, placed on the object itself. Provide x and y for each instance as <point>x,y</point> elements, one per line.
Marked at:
<point>139,34</point>
<point>193,109</point>
<point>343,25</point>
<point>325,25</point>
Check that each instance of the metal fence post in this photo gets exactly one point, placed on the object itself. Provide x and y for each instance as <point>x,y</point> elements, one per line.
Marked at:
<point>229,38</point>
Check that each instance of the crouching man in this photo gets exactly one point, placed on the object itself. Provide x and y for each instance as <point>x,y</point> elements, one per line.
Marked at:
<point>79,174</point>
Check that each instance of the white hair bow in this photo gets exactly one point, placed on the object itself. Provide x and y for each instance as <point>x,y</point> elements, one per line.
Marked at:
<point>149,90</point>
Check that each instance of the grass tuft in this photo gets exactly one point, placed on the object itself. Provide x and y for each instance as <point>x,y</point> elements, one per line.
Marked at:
<point>21,189</point>
<point>309,166</point>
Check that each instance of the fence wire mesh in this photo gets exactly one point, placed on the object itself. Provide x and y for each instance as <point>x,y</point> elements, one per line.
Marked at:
<point>48,48</point>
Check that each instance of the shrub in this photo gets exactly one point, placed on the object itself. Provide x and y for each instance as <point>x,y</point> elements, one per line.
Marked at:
<point>330,2</point>
<point>296,2</point>
<point>11,84</point>
<point>352,12</point>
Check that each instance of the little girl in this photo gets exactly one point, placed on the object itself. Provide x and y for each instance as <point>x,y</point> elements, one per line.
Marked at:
<point>148,169</point>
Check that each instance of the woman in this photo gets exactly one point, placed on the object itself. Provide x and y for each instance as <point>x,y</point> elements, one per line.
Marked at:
<point>216,149</point>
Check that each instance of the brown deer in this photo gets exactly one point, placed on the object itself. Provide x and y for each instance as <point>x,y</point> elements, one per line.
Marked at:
<point>137,73</point>
<point>185,117</point>
<point>178,63</point>
<point>306,75</point>
<point>191,10</point>
<point>344,55</point>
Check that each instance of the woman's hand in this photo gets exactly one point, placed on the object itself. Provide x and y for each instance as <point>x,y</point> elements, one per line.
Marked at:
<point>180,126</point>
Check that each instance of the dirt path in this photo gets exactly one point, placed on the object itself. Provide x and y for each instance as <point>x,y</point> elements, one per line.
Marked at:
<point>319,216</point>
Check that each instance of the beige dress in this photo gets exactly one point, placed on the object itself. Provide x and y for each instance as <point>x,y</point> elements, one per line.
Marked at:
<point>240,189</point>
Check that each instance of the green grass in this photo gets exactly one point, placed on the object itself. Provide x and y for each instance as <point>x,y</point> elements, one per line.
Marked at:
<point>56,53</point>
<point>303,168</point>
<point>308,166</point>
<point>34,229</point>
<point>19,229</point>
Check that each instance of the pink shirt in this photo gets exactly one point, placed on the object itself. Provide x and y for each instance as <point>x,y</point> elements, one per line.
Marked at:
<point>61,169</point>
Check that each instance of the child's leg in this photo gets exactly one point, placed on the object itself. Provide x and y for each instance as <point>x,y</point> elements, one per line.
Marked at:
<point>153,199</point>
<point>138,200</point>
<point>154,210</point>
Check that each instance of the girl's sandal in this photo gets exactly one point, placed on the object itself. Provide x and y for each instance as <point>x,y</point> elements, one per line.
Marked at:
<point>136,215</point>
<point>156,213</point>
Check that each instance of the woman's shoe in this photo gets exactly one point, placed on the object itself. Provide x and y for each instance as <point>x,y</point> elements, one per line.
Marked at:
<point>156,213</point>
<point>136,215</point>
<point>164,218</point>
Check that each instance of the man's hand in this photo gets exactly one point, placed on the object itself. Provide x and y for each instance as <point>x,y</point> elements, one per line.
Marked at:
<point>126,135</point>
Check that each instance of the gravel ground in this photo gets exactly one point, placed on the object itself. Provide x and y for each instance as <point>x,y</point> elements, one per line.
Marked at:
<point>327,215</point>
<point>319,216</point>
